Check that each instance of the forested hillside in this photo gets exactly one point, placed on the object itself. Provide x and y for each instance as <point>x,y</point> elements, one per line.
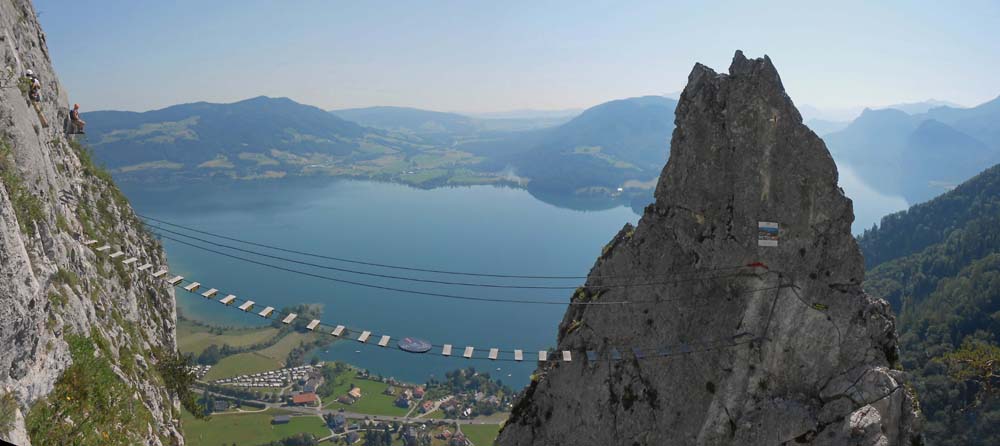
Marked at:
<point>938,264</point>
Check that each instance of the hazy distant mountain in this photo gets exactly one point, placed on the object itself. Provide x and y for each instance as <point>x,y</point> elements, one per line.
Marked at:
<point>566,114</point>
<point>822,126</point>
<point>919,156</point>
<point>607,145</point>
<point>409,120</point>
<point>594,153</point>
<point>445,128</point>
<point>916,108</point>
<point>245,139</point>
<point>201,131</point>
<point>809,112</point>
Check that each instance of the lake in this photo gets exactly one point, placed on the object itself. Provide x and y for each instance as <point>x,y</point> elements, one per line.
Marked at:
<point>477,229</point>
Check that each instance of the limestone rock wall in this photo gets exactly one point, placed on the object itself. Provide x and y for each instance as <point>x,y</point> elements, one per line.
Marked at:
<point>810,357</point>
<point>50,284</point>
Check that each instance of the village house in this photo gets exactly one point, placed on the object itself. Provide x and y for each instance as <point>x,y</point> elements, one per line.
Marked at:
<point>402,402</point>
<point>459,440</point>
<point>281,419</point>
<point>418,392</point>
<point>305,399</point>
<point>427,406</point>
<point>352,437</point>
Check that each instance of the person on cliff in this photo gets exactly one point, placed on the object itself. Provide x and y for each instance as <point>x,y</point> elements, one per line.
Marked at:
<point>35,92</point>
<point>35,89</point>
<point>74,116</point>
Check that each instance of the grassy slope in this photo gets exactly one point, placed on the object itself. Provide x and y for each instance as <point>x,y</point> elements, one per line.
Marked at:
<point>373,401</point>
<point>246,429</point>
<point>269,358</point>
<point>481,434</point>
<point>194,339</point>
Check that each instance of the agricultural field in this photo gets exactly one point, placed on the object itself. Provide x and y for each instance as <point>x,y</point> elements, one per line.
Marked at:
<point>270,358</point>
<point>481,434</point>
<point>193,338</point>
<point>246,429</point>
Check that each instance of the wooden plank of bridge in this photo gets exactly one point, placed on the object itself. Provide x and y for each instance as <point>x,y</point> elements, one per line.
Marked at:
<point>288,319</point>
<point>227,300</point>
<point>312,325</point>
<point>175,280</point>
<point>247,306</point>
<point>518,355</point>
<point>446,350</point>
<point>103,248</point>
<point>160,273</point>
<point>493,353</point>
<point>129,261</point>
<point>192,287</point>
<point>384,341</point>
<point>145,267</point>
<point>266,312</point>
<point>210,293</point>
<point>364,336</point>
<point>117,254</point>
<point>338,331</point>
<point>567,356</point>
<point>468,352</point>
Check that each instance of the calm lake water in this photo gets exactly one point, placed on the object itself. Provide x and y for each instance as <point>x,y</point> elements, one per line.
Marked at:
<point>479,229</point>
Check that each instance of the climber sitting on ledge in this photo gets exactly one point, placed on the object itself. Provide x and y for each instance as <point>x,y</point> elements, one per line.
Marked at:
<point>76,124</point>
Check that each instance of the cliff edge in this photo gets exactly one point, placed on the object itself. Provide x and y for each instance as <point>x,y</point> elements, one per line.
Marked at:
<point>80,333</point>
<point>709,350</point>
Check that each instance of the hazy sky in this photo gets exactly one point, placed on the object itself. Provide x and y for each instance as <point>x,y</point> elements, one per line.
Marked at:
<point>492,56</point>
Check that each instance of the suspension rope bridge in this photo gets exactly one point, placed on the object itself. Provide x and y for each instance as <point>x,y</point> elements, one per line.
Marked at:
<point>446,350</point>
<point>416,269</point>
<point>157,230</point>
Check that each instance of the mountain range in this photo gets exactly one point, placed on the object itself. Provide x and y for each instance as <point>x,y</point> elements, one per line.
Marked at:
<point>919,156</point>
<point>618,144</point>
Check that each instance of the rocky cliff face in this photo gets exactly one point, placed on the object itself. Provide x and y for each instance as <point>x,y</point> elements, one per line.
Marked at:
<point>796,353</point>
<point>60,303</point>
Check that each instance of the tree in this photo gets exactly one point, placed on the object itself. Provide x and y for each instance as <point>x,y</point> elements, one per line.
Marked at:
<point>210,356</point>
<point>978,362</point>
<point>174,368</point>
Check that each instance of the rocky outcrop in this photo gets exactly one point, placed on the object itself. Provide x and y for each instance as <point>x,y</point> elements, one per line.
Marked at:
<point>52,287</point>
<point>794,353</point>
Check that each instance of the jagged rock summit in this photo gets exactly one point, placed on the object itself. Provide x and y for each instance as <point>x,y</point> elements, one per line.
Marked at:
<point>796,353</point>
